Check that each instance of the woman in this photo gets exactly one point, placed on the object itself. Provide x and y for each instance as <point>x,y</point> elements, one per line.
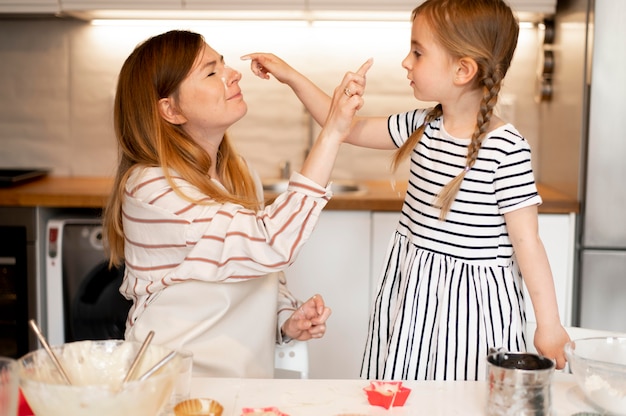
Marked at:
<point>203,258</point>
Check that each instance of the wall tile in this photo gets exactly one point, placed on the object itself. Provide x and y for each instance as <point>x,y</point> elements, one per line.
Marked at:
<point>58,81</point>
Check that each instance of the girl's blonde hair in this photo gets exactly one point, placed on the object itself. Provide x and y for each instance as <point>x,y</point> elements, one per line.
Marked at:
<point>155,70</point>
<point>485,31</point>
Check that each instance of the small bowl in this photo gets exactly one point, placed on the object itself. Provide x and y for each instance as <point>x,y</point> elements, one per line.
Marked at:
<point>198,407</point>
<point>97,370</point>
<point>599,366</point>
<point>387,393</point>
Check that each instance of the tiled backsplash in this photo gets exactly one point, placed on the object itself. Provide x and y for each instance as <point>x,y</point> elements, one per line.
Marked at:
<point>57,81</point>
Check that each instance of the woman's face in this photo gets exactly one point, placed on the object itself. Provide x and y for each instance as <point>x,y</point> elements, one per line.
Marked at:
<point>429,66</point>
<point>209,98</point>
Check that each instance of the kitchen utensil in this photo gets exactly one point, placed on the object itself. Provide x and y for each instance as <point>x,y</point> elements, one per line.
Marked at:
<point>145,344</point>
<point>158,365</point>
<point>519,384</point>
<point>53,357</point>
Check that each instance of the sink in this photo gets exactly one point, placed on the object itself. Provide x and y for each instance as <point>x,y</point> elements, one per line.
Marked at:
<point>338,187</point>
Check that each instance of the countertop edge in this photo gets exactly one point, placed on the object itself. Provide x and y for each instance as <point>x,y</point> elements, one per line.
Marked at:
<point>93,192</point>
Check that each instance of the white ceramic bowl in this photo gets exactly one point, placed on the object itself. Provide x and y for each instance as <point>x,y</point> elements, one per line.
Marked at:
<point>599,366</point>
<point>97,370</point>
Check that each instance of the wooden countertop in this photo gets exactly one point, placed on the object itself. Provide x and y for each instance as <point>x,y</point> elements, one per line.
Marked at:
<point>92,192</point>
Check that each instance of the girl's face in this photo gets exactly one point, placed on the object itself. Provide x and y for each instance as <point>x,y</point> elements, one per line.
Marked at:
<point>430,68</point>
<point>209,98</point>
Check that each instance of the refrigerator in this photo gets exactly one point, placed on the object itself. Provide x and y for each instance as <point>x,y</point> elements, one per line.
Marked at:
<point>601,248</point>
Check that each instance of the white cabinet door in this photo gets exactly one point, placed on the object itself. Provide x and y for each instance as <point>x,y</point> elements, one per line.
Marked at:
<point>335,263</point>
<point>557,231</point>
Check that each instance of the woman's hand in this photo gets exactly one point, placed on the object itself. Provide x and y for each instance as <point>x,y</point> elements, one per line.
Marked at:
<point>308,321</point>
<point>347,100</point>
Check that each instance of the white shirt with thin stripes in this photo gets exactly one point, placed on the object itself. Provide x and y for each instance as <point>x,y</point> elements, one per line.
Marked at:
<point>207,276</point>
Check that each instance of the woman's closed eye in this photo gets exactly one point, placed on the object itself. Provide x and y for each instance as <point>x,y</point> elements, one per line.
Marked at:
<point>212,67</point>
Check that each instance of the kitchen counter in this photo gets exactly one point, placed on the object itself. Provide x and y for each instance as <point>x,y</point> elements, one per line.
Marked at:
<point>92,192</point>
<point>346,397</point>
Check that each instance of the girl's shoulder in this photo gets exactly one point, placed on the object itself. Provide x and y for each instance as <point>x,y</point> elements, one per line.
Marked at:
<point>413,117</point>
<point>508,132</point>
<point>402,125</point>
<point>505,140</point>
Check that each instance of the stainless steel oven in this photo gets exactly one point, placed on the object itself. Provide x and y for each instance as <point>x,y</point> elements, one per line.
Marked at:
<point>13,292</point>
<point>18,288</point>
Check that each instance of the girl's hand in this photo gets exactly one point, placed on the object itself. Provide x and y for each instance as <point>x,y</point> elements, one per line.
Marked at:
<point>263,64</point>
<point>308,321</point>
<point>550,342</point>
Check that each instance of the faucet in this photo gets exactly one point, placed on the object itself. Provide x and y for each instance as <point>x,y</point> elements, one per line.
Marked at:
<point>285,169</point>
<point>310,129</point>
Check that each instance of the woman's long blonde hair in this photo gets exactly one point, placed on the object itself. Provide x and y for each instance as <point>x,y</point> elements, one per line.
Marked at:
<point>155,70</point>
<point>485,31</point>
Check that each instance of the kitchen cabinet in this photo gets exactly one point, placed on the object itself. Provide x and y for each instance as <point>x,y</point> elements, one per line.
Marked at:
<point>534,6</point>
<point>529,9</point>
<point>121,9</point>
<point>542,6</point>
<point>558,233</point>
<point>244,5</point>
<point>29,6</point>
<point>335,264</point>
<point>84,5</point>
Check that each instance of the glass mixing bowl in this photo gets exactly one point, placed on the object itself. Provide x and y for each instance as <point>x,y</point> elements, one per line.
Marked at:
<point>97,370</point>
<point>599,366</point>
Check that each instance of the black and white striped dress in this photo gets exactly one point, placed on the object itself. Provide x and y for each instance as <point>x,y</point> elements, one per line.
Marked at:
<point>450,289</point>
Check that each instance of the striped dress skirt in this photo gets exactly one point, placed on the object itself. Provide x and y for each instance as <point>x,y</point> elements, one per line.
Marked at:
<point>436,317</point>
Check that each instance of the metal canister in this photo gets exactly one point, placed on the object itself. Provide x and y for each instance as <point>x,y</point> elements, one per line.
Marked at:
<point>519,384</point>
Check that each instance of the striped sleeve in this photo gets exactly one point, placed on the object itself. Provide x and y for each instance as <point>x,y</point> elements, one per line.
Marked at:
<point>169,239</point>
<point>514,179</point>
<point>402,125</point>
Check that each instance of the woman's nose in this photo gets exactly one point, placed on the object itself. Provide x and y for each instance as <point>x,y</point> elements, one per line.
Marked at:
<point>233,75</point>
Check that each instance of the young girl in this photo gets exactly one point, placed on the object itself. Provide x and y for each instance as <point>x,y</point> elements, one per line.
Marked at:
<point>203,259</point>
<point>451,288</point>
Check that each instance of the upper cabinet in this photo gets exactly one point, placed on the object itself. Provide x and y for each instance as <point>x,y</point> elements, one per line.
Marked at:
<point>527,9</point>
<point>120,4</point>
<point>244,4</point>
<point>29,6</point>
